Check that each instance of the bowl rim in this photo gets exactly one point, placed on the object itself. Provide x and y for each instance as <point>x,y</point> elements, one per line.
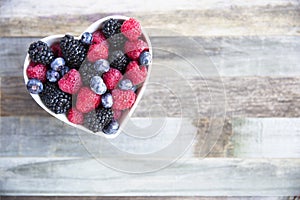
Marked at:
<point>125,114</point>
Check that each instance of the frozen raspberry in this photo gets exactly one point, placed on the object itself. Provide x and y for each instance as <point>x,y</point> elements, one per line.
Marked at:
<point>71,82</point>
<point>133,49</point>
<point>131,28</point>
<point>97,51</point>
<point>98,38</point>
<point>123,99</point>
<point>135,73</point>
<point>87,100</point>
<point>56,50</point>
<point>36,71</point>
<point>117,114</point>
<point>112,78</point>
<point>75,116</point>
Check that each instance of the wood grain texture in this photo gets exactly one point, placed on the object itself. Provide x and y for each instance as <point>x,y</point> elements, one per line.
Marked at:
<point>239,138</point>
<point>140,198</point>
<point>193,177</point>
<point>214,18</point>
<point>19,137</point>
<point>266,137</point>
<point>254,150</point>
<point>231,56</point>
<point>245,97</point>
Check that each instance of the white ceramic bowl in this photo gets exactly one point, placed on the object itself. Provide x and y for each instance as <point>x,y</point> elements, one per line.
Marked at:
<point>125,114</point>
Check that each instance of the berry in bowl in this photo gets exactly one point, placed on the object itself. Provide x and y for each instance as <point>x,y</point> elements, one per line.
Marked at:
<point>95,81</point>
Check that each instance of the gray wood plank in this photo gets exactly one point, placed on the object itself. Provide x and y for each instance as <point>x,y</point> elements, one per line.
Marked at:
<point>240,138</point>
<point>188,18</point>
<point>29,137</point>
<point>245,97</point>
<point>135,198</point>
<point>279,138</point>
<point>194,177</point>
<point>143,198</point>
<point>231,56</point>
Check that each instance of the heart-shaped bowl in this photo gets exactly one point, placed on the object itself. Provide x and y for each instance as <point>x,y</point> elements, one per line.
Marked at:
<point>126,114</point>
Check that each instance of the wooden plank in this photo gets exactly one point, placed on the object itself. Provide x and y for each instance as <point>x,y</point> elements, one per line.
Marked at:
<point>29,137</point>
<point>245,97</point>
<point>239,138</point>
<point>140,198</point>
<point>231,56</point>
<point>189,18</point>
<point>194,177</point>
<point>266,137</point>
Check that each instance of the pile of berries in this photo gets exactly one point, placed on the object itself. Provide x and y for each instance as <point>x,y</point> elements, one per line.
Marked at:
<point>92,79</point>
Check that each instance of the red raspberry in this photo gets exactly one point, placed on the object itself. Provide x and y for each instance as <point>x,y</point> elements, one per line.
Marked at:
<point>112,78</point>
<point>75,116</point>
<point>133,49</point>
<point>98,38</point>
<point>56,50</point>
<point>131,28</point>
<point>136,73</point>
<point>97,51</point>
<point>123,99</point>
<point>87,100</point>
<point>37,71</point>
<point>117,114</point>
<point>71,82</point>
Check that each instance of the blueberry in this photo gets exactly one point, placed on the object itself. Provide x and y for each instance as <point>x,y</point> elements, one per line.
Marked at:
<point>64,70</point>
<point>34,86</point>
<point>125,84</point>
<point>111,128</point>
<point>52,75</point>
<point>58,64</point>
<point>87,38</point>
<point>101,66</point>
<point>97,85</point>
<point>145,58</point>
<point>107,100</point>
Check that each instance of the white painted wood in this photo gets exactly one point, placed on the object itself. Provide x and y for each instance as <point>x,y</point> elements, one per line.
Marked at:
<point>251,138</point>
<point>23,8</point>
<point>269,138</point>
<point>211,176</point>
<point>29,137</point>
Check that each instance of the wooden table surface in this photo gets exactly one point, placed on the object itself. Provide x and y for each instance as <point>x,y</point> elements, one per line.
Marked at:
<point>253,45</point>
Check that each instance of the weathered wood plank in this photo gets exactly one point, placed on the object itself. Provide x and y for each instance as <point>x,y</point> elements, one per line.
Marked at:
<point>18,18</point>
<point>266,137</point>
<point>29,137</point>
<point>232,56</point>
<point>239,138</point>
<point>245,97</point>
<point>194,177</point>
<point>141,198</point>
<point>133,198</point>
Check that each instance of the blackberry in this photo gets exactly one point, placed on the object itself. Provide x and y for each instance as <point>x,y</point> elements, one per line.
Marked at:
<point>87,71</point>
<point>55,99</point>
<point>40,52</point>
<point>98,119</point>
<point>73,50</point>
<point>118,60</point>
<point>111,27</point>
<point>117,41</point>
